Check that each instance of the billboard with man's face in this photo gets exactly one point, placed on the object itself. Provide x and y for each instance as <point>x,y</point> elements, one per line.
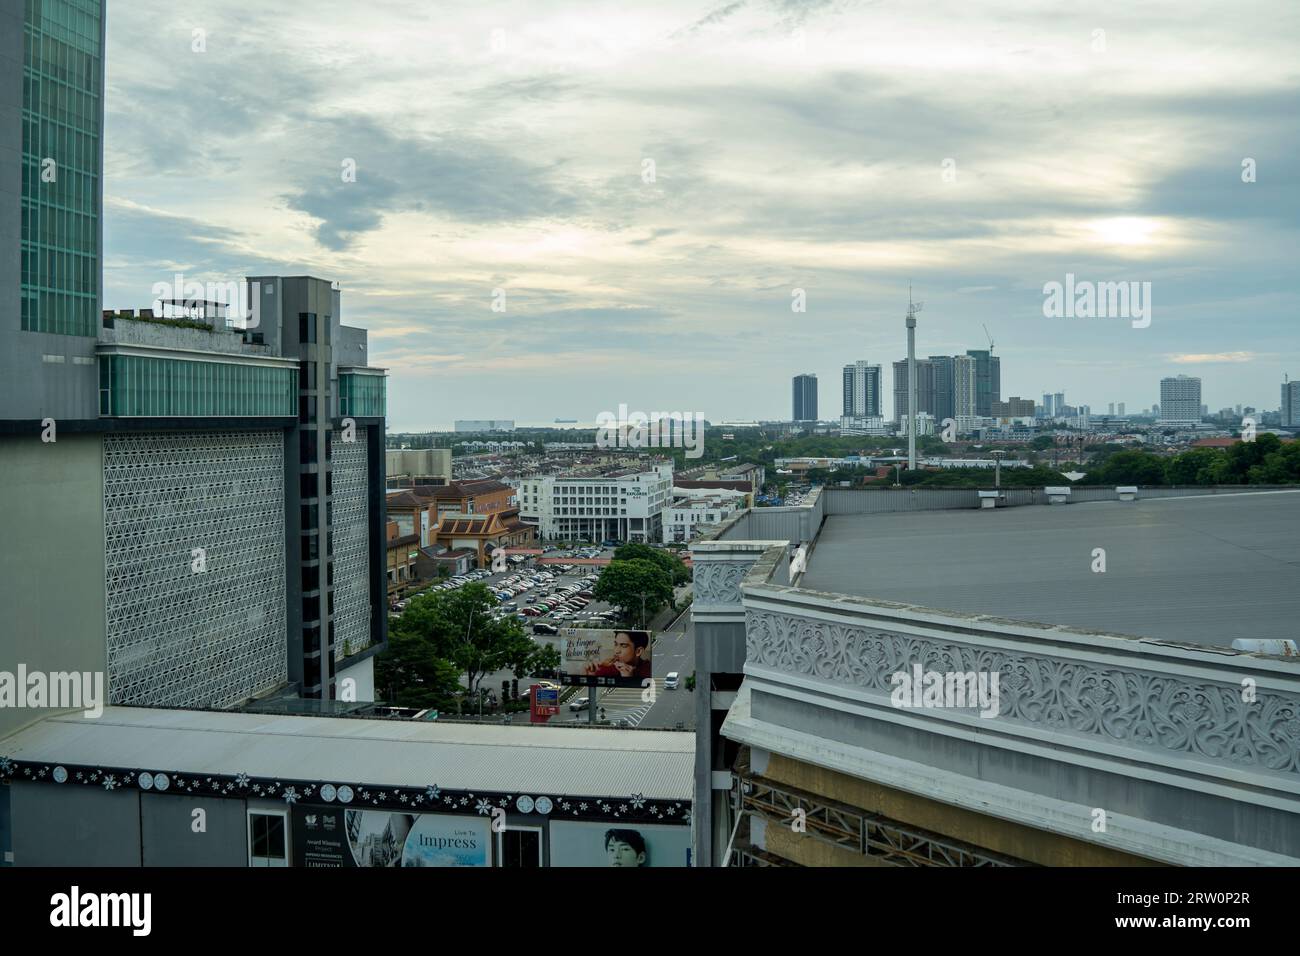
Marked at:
<point>617,657</point>
<point>583,843</point>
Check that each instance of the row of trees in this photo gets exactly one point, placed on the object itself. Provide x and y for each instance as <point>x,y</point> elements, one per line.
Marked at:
<point>639,581</point>
<point>1264,461</point>
<point>446,635</point>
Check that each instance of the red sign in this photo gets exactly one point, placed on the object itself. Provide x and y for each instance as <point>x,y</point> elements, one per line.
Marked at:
<point>545,703</point>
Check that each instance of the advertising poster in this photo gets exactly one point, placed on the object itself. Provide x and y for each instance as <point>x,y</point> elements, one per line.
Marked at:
<point>620,658</point>
<point>340,837</point>
<point>584,843</point>
<point>546,702</point>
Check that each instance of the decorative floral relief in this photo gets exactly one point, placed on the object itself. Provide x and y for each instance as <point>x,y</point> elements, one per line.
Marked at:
<point>718,582</point>
<point>1142,709</point>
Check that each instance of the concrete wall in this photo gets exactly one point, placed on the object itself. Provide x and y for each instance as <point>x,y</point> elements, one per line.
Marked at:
<point>75,827</point>
<point>52,562</point>
<point>168,837</point>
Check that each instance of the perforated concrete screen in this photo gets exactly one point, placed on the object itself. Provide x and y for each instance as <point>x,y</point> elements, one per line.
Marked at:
<point>195,566</point>
<point>351,555</point>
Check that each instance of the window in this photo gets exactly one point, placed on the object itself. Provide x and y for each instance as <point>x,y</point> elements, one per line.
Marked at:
<point>306,328</point>
<point>268,842</point>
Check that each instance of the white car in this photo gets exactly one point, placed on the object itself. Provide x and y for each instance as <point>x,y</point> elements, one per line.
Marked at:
<point>670,682</point>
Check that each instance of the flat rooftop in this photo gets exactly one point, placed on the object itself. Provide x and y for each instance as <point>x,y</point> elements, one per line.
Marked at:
<point>398,753</point>
<point>1200,570</point>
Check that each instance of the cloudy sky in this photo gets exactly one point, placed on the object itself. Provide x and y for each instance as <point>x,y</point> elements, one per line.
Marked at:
<point>650,183</point>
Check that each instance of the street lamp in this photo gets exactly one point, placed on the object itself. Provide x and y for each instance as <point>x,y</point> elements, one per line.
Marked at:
<point>998,455</point>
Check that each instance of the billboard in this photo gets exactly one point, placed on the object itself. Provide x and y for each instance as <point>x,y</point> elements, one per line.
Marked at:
<point>584,843</point>
<point>616,657</point>
<point>340,837</point>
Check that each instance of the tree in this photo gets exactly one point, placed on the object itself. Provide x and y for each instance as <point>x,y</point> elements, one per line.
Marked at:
<point>1130,468</point>
<point>410,674</point>
<point>672,565</point>
<point>1184,469</point>
<point>625,584</point>
<point>455,628</point>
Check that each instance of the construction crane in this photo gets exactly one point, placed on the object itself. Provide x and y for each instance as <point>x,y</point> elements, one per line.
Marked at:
<point>989,337</point>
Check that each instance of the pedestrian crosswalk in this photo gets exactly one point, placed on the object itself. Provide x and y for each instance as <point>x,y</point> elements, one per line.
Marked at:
<point>631,704</point>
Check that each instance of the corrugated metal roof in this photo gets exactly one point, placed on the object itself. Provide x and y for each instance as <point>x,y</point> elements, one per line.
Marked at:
<point>395,753</point>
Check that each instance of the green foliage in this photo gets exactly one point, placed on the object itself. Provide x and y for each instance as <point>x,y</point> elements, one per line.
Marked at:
<point>670,562</point>
<point>1129,467</point>
<point>1036,477</point>
<point>625,582</point>
<point>1265,461</point>
<point>450,633</point>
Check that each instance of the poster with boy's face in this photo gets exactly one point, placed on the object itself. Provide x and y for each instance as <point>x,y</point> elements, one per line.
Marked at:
<point>618,846</point>
<point>620,657</point>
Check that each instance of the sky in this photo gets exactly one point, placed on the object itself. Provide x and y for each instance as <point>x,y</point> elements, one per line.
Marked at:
<point>647,192</point>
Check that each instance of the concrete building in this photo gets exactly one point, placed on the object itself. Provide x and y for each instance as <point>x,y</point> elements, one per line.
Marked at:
<point>1291,404</point>
<point>417,466</point>
<point>621,504</point>
<point>217,490</point>
<point>1013,408</point>
<point>1180,401</point>
<point>691,510</point>
<point>340,792</point>
<point>862,390</point>
<point>805,398</point>
<point>965,389</point>
<point>807,674</point>
<point>988,380</point>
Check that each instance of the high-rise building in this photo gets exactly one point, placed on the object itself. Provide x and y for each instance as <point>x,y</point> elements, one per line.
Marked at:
<point>1290,404</point>
<point>805,398</point>
<point>1110,410</point>
<point>51,234</point>
<point>988,380</point>
<point>1180,400</point>
<point>965,387</point>
<point>934,387</point>
<point>861,390</point>
<point>1058,404</point>
<point>215,489</point>
<point>1121,409</point>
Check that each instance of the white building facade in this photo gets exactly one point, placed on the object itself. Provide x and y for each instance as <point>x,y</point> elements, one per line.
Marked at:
<point>1180,400</point>
<point>625,505</point>
<point>688,513</point>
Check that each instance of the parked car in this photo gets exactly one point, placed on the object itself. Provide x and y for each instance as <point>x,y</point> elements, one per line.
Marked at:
<point>582,703</point>
<point>670,682</point>
<point>541,627</point>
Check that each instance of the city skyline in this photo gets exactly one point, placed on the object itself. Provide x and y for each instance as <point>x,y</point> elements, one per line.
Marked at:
<point>517,160</point>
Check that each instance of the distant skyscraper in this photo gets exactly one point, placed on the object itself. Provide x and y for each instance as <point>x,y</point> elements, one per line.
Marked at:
<point>1180,400</point>
<point>1047,405</point>
<point>1110,409</point>
<point>1121,409</point>
<point>861,390</point>
<point>965,387</point>
<point>988,380</point>
<point>934,387</point>
<point>1058,403</point>
<point>1290,404</point>
<point>805,397</point>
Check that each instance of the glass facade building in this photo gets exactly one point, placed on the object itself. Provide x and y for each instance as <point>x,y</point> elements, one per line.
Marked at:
<point>361,396</point>
<point>137,385</point>
<point>61,166</point>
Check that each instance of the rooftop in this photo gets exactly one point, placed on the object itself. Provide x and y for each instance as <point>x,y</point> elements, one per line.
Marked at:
<point>395,753</point>
<point>1203,570</point>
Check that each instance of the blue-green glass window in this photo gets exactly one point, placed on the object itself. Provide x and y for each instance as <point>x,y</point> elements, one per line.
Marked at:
<point>361,396</point>
<point>61,169</point>
<point>139,385</point>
